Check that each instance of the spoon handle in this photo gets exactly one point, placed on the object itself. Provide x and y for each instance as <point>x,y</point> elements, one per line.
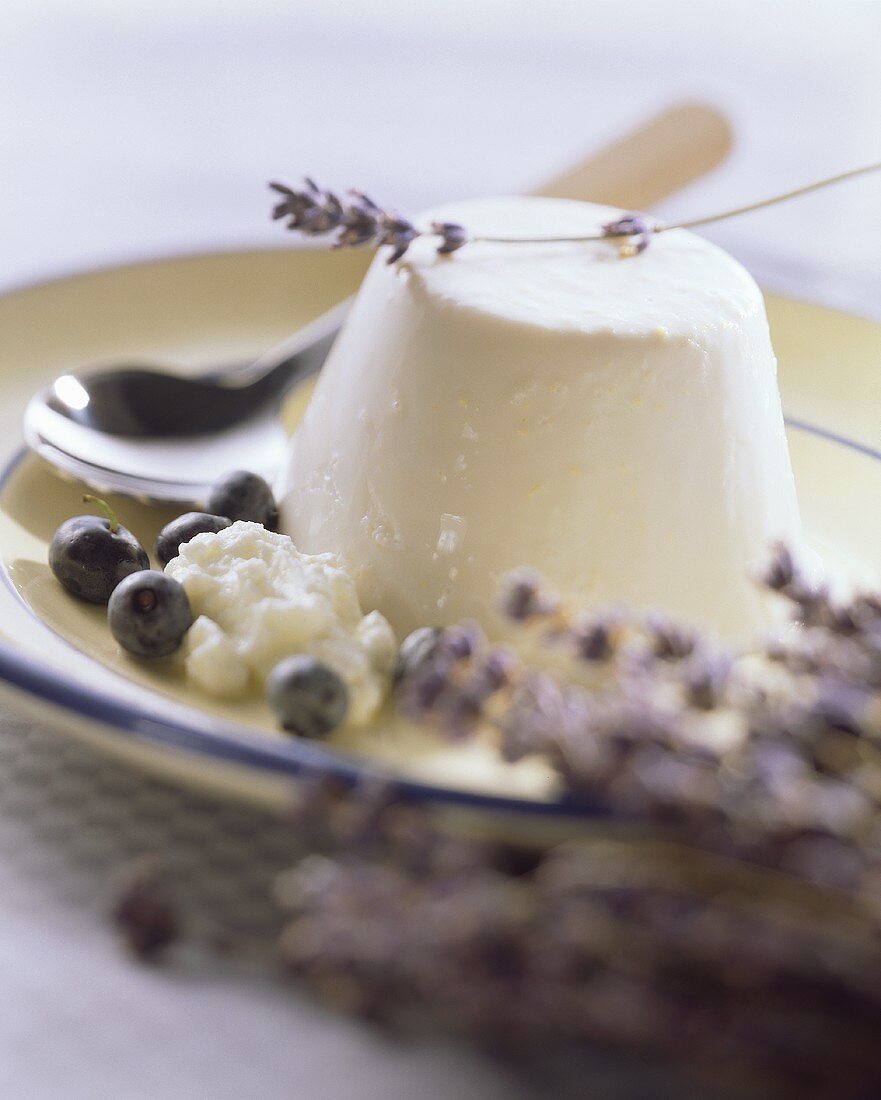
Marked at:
<point>663,154</point>
<point>295,357</point>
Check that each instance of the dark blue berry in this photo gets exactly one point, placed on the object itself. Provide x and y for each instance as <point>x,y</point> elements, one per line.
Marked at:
<point>307,697</point>
<point>90,555</point>
<point>243,495</point>
<point>149,614</point>
<point>173,535</point>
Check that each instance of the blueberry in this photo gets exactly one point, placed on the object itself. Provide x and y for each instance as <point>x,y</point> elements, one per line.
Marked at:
<point>173,535</point>
<point>90,555</point>
<point>416,649</point>
<point>243,495</point>
<point>149,614</point>
<point>308,697</point>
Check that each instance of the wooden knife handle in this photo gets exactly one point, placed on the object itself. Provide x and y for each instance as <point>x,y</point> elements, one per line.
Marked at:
<point>664,154</point>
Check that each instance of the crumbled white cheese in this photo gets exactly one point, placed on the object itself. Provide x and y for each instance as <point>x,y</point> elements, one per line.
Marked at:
<point>256,600</point>
<point>212,660</point>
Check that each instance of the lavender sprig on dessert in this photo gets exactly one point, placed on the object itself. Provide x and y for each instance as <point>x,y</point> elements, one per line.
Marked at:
<point>356,220</point>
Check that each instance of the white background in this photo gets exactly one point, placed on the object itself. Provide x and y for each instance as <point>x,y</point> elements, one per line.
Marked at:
<point>131,128</point>
<point>140,128</point>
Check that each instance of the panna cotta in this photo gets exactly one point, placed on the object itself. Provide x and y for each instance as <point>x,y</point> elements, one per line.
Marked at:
<point>613,422</point>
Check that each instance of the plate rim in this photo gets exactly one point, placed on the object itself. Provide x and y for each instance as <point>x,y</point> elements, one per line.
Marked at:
<point>784,286</point>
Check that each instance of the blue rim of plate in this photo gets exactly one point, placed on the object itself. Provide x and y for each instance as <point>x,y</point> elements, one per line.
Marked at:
<point>238,745</point>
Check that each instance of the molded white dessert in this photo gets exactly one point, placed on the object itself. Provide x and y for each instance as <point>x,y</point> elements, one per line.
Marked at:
<point>614,423</point>
<point>257,600</point>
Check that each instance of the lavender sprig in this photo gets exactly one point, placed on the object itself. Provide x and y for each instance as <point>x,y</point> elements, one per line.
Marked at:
<point>723,910</point>
<point>722,970</point>
<point>775,763</point>
<point>357,220</point>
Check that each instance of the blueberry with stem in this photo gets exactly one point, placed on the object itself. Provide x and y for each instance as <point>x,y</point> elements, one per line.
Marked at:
<point>149,614</point>
<point>90,555</point>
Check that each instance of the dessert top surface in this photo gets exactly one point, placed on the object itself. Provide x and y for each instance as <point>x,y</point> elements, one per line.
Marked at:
<point>679,284</point>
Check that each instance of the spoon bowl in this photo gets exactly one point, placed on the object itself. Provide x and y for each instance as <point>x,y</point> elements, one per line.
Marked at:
<point>156,435</point>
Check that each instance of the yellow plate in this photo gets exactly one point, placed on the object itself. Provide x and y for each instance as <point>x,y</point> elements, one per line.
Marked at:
<point>56,657</point>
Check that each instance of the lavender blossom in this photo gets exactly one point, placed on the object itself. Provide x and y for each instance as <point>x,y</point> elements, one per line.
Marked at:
<point>453,236</point>
<point>361,220</point>
<point>398,233</point>
<point>619,938</point>
<point>523,596</point>
<point>311,210</point>
<point>355,219</point>
<point>637,229</point>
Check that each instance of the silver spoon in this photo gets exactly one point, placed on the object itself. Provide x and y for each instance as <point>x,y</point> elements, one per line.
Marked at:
<point>160,436</point>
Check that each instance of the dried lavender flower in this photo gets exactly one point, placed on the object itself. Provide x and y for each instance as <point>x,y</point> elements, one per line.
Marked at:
<point>706,678</point>
<point>144,913</point>
<point>594,638</point>
<point>461,641</point>
<point>637,229</point>
<point>780,572</point>
<point>453,236</point>
<point>361,220</point>
<point>399,234</point>
<point>671,641</point>
<point>354,218</point>
<point>523,596</point>
<point>316,212</point>
<point>310,210</point>
<point>640,945</point>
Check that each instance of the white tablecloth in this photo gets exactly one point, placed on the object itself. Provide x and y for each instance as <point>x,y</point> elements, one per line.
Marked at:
<point>137,129</point>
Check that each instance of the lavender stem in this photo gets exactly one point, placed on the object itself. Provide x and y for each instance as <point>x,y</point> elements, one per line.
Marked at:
<point>693,223</point>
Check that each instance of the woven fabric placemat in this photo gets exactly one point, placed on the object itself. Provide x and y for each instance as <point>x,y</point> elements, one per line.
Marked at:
<point>80,1018</point>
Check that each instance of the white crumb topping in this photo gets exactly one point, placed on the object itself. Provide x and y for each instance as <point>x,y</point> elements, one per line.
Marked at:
<point>257,599</point>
